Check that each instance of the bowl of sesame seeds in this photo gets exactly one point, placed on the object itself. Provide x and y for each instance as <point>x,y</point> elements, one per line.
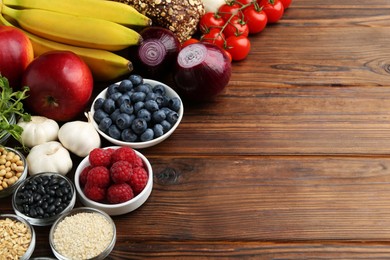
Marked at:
<point>83,233</point>
<point>17,237</point>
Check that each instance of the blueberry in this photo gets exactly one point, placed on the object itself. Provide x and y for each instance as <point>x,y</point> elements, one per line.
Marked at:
<point>158,130</point>
<point>113,88</point>
<point>144,114</point>
<point>174,104</point>
<point>139,125</point>
<point>162,101</point>
<point>159,89</point>
<point>172,117</point>
<point>166,110</point>
<point>124,120</point>
<point>166,125</point>
<point>129,136</point>
<point>99,115</point>
<point>114,132</point>
<point>126,108</point>
<point>105,124</point>
<point>138,106</point>
<point>136,79</point>
<point>109,105</point>
<point>158,116</point>
<point>147,135</point>
<point>122,99</point>
<point>125,85</point>
<point>151,105</point>
<point>138,96</point>
<point>144,87</point>
<point>115,114</point>
<point>98,103</point>
<point>151,96</point>
<point>115,96</point>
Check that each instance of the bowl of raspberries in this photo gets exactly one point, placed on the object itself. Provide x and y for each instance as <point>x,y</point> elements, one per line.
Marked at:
<point>115,179</point>
<point>137,112</point>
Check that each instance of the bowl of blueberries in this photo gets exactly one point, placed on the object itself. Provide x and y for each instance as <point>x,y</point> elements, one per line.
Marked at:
<point>137,112</point>
<point>43,197</point>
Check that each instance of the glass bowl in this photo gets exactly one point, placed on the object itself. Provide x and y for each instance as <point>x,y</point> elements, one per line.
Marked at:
<point>5,192</point>
<point>42,198</point>
<point>13,222</point>
<point>91,229</point>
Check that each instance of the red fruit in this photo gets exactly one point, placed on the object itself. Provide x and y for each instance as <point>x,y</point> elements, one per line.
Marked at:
<point>138,180</point>
<point>123,154</point>
<point>84,174</point>
<point>16,53</point>
<point>98,176</point>
<point>94,193</point>
<point>100,157</point>
<point>60,84</point>
<point>138,162</point>
<point>121,171</point>
<point>119,192</point>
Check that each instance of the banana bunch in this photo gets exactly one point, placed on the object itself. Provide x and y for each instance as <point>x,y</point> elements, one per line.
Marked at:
<point>93,29</point>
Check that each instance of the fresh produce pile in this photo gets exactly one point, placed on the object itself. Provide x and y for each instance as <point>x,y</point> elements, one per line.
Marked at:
<point>53,53</point>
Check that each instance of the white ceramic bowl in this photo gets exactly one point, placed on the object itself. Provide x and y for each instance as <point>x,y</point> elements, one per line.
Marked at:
<point>75,221</point>
<point>9,190</point>
<point>18,203</point>
<point>139,145</point>
<point>120,208</point>
<point>31,247</point>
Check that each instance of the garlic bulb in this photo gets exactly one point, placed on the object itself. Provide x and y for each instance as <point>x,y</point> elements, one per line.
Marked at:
<point>38,131</point>
<point>49,157</point>
<point>212,5</point>
<point>79,137</point>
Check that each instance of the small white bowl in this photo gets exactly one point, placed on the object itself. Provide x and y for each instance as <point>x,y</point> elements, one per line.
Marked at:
<point>9,190</point>
<point>139,145</point>
<point>31,247</point>
<point>74,218</point>
<point>120,208</point>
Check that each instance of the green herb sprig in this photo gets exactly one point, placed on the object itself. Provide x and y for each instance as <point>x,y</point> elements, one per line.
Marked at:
<point>11,103</point>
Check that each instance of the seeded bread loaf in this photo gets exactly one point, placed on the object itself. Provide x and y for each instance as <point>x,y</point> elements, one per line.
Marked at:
<point>179,16</point>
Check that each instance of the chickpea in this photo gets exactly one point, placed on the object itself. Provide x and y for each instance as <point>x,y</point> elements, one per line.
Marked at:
<point>11,168</point>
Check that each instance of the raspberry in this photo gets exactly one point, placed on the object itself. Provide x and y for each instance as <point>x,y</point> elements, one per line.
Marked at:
<point>84,174</point>
<point>123,154</point>
<point>119,192</point>
<point>138,179</point>
<point>98,176</point>
<point>100,157</point>
<point>94,193</point>
<point>121,171</point>
<point>138,162</point>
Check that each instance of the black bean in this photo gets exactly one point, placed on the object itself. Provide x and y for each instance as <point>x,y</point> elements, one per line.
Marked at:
<point>51,208</point>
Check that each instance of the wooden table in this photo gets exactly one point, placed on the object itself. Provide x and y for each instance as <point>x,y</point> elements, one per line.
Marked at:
<point>291,161</point>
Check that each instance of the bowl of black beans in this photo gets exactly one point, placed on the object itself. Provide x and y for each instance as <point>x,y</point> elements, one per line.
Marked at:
<point>42,198</point>
<point>137,112</point>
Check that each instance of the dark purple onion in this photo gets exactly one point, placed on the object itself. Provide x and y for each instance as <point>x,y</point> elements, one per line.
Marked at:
<point>202,71</point>
<point>156,55</point>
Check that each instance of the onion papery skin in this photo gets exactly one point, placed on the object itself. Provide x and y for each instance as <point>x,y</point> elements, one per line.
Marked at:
<point>202,71</point>
<point>156,55</point>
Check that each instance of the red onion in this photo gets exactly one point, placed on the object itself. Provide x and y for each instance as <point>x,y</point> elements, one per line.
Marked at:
<point>202,71</point>
<point>156,55</point>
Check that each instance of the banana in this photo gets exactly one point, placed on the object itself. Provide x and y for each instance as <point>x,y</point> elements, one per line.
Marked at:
<point>107,10</point>
<point>75,30</point>
<point>104,65</point>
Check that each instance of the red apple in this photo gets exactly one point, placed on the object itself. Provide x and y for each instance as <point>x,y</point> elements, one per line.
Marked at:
<point>16,52</point>
<point>60,85</point>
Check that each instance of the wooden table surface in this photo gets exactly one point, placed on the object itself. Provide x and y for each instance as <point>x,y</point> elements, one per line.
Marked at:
<point>292,161</point>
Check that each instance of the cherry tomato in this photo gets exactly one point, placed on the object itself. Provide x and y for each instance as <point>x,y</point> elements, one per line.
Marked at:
<point>229,9</point>
<point>238,47</point>
<point>228,54</point>
<point>214,36</point>
<point>236,26</point>
<point>273,8</point>
<point>210,20</point>
<point>286,3</point>
<point>245,2</point>
<point>255,18</point>
<point>188,42</point>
